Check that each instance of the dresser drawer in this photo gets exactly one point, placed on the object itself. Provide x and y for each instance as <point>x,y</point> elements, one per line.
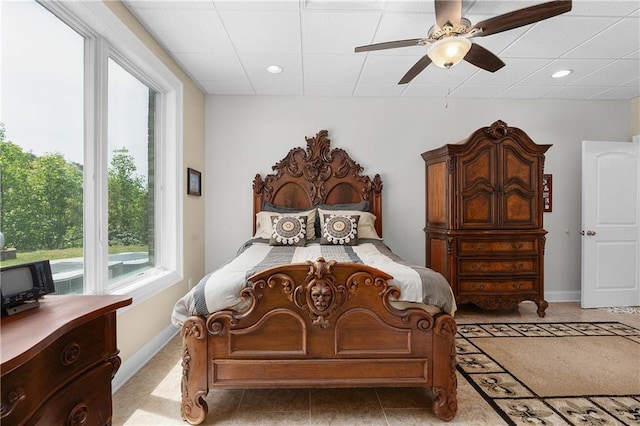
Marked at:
<point>480,246</point>
<point>497,286</point>
<point>498,266</point>
<point>38,379</point>
<point>86,402</point>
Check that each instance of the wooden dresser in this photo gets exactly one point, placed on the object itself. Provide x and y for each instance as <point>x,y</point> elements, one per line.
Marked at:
<point>58,361</point>
<point>484,229</point>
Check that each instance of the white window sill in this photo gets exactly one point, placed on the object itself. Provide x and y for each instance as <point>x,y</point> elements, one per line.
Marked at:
<point>147,287</point>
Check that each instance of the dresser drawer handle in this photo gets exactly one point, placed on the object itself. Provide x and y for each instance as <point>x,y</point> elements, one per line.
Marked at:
<point>517,267</point>
<point>78,415</point>
<point>476,267</point>
<point>477,286</point>
<point>13,399</point>
<point>477,246</point>
<point>516,245</point>
<point>70,354</point>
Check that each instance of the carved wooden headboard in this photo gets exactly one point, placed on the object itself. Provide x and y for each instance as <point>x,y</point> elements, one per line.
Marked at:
<point>317,175</point>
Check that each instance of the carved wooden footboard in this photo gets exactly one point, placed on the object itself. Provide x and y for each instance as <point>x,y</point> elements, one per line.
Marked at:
<point>319,324</point>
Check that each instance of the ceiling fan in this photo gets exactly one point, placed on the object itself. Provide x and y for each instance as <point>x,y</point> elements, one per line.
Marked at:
<point>448,39</point>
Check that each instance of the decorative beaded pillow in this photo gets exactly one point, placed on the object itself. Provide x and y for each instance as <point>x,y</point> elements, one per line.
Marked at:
<point>341,229</point>
<point>288,230</point>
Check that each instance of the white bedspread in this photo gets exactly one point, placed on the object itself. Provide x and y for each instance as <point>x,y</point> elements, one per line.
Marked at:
<point>221,289</point>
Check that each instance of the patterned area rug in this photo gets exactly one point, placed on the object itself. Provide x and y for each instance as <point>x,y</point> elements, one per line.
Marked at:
<point>554,373</point>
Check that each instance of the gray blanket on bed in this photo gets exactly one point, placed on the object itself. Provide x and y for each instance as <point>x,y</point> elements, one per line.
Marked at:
<point>221,288</point>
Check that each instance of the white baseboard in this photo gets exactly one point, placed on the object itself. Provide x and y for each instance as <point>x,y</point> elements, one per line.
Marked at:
<point>562,296</point>
<point>134,363</point>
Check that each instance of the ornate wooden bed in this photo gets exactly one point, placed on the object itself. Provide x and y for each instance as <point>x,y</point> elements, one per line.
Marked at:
<point>357,338</point>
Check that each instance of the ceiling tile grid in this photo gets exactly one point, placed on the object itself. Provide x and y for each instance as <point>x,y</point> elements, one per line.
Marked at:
<point>225,46</point>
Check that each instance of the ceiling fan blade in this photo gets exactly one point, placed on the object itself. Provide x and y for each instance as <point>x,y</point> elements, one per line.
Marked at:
<point>415,69</point>
<point>522,17</point>
<point>389,45</point>
<point>448,11</point>
<point>482,58</point>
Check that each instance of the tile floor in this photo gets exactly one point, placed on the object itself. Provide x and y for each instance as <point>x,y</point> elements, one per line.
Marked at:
<point>152,396</point>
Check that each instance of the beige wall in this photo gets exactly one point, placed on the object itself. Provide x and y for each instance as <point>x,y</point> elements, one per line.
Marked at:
<point>140,324</point>
<point>635,117</point>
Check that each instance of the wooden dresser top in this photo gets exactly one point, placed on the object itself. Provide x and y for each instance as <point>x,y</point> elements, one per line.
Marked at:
<point>24,335</point>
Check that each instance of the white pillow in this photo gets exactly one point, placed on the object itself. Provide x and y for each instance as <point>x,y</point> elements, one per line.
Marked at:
<point>366,224</point>
<point>264,224</point>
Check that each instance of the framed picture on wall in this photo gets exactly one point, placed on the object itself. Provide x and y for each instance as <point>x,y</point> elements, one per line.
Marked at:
<point>194,182</point>
<point>547,192</point>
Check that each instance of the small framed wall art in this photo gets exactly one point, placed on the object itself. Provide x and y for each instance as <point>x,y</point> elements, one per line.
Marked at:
<point>194,182</point>
<point>547,193</point>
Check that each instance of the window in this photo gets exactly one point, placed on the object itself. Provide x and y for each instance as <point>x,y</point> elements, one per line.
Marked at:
<point>130,174</point>
<point>93,120</point>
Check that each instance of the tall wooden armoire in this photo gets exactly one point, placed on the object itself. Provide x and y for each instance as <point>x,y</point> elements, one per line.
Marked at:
<point>484,229</point>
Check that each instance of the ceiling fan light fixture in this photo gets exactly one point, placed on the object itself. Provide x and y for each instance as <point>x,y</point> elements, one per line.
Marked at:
<point>449,51</point>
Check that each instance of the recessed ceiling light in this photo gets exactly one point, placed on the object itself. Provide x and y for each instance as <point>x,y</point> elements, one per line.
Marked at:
<point>274,69</point>
<point>561,73</point>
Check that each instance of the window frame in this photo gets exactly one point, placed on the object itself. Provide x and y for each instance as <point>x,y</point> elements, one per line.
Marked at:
<point>106,36</point>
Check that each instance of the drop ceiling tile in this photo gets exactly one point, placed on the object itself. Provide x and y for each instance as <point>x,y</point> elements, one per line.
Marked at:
<point>411,6</point>
<point>187,31</point>
<point>493,8</point>
<point>337,32</point>
<point>426,90</point>
<point>604,7</point>
<point>166,4</point>
<point>378,89</point>
<point>618,93</point>
<point>254,32</point>
<point>516,69</point>
<point>618,72</point>
<point>635,55</point>
<point>278,88</point>
<point>635,82</point>
<point>580,68</point>
<point>525,92</point>
<point>256,4</point>
<point>385,69</point>
<point>208,66</point>
<point>556,36</point>
<point>235,87</point>
<point>574,92</point>
<point>471,91</point>
<point>617,41</point>
<point>342,4</point>
<point>336,68</point>
<point>328,89</point>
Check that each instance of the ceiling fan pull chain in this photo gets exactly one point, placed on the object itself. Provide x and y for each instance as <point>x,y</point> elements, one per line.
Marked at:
<point>446,96</point>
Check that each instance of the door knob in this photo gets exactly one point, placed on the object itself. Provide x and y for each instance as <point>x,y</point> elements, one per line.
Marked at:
<point>589,233</point>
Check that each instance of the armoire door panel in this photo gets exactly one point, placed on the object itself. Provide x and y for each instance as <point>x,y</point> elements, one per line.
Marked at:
<point>480,167</point>
<point>518,168</point>
<point>519,210</point>
<point>477,211</point>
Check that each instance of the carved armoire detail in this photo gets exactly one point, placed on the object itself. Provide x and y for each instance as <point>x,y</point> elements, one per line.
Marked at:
<point>484,227</point>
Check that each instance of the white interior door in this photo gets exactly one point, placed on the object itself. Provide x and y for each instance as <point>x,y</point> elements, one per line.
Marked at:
<point>610,224</point>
